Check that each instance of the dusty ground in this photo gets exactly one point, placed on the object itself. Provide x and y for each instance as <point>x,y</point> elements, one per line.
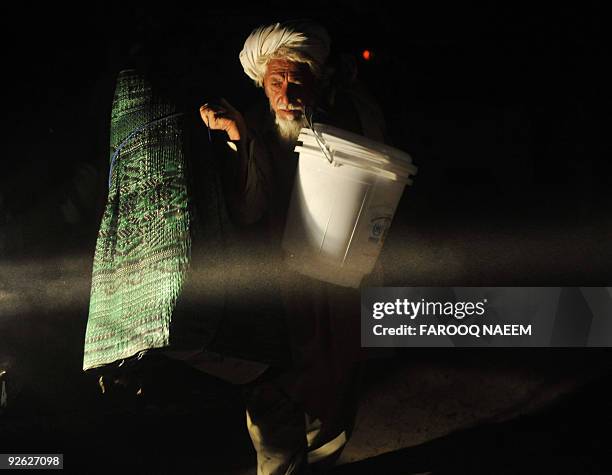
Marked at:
<point>422,412</point>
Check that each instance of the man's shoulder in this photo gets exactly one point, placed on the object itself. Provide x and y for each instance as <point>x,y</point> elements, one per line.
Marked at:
<point>258,117</point>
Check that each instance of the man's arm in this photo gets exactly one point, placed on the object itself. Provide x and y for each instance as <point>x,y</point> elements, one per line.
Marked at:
<point>244,179</point>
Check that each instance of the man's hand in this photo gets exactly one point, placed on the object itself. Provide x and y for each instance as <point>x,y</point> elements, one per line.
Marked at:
<point>224,116</point>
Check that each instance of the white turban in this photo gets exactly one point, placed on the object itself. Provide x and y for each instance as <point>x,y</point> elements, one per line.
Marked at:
<point>304,41</point>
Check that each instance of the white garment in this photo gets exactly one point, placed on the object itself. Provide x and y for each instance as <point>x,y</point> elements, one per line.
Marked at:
<point>305,38</point>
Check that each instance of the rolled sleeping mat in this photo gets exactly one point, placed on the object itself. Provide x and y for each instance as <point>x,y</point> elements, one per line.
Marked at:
<point>143,248</point>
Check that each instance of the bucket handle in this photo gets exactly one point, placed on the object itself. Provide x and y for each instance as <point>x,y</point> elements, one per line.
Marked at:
<point>320,141</point>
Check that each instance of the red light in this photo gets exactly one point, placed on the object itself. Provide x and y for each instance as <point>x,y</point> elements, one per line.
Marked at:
<point>367,55</point>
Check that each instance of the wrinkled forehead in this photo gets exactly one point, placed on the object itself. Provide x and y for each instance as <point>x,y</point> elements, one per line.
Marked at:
<point>286,68</point>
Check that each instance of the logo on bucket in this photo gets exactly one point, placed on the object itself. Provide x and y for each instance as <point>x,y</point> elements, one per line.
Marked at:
<point>378,228</point>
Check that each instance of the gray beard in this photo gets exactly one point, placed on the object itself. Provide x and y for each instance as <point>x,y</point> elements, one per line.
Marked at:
<point>288,131</point>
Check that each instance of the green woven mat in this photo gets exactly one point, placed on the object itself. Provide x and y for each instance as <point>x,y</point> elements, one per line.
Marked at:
<point>143,247</point>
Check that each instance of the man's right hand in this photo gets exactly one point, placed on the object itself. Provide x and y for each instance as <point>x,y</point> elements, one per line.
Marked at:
<point>224,116</point>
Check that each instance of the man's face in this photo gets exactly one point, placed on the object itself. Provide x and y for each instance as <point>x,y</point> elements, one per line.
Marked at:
<point>288,86</point>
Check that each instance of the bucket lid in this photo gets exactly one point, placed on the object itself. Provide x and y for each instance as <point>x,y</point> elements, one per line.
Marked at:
<point>346,148</point>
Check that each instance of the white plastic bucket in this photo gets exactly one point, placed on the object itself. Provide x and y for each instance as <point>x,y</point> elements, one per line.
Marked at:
<point>346,190</point>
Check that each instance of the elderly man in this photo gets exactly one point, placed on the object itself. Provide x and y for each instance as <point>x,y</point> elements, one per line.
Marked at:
<point>308,404</point>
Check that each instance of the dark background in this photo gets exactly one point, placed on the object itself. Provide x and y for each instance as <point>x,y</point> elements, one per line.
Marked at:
<point>503,109</point>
